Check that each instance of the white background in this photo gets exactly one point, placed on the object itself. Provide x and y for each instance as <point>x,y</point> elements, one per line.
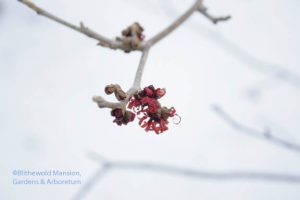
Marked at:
<point>48,74</point>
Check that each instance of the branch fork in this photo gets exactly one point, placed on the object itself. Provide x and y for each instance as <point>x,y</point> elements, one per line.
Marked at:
<point>132,39</point>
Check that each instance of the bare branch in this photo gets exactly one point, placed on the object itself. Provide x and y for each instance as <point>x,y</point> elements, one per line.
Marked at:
<point>264,135</point>
<point>102,103</point>
<point>174,25</point>
<point>140,69</point>
<point>103,41</point>
<point>198,6</point>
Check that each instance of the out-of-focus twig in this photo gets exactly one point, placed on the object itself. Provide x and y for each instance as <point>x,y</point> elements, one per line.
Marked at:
<point>260,134</point>
<point>94,179</point>
<point>107,165</point>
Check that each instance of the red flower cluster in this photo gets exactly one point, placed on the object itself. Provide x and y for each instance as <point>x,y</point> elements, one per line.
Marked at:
<point>152,116</point>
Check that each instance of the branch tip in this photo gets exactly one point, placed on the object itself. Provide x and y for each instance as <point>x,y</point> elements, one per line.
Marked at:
<point>203,10</point>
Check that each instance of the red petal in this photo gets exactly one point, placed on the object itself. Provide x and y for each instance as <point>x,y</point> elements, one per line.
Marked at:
<point>160,92</point>
<point>142,119</point>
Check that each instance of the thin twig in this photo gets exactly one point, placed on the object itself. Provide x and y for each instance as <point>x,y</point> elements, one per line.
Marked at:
<point>103,41</point>
<point>84,190</point>
<point>175,24</point>
<point>275,71</point>
<point>198,6</point>
<point>194,173</point>
<point>264,135</point>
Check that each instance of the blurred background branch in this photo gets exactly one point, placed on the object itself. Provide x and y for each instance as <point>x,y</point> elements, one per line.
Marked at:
<point>260,134</point>
<point>270,69</point>
<point>107,165</point>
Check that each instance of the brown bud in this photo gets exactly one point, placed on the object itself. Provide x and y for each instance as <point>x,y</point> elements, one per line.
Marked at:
<point>132,37</point>
<point>109,89</point>
<point>137,28</point>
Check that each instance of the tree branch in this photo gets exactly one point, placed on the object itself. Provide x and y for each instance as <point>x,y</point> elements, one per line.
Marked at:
<point>102,103</point>
<point>175,24</point>
<point>198,6</point>
<point>103,41</point>
<point>264,135</point>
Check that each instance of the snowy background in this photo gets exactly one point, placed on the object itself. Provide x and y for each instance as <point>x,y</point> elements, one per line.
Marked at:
<point>249,66</point>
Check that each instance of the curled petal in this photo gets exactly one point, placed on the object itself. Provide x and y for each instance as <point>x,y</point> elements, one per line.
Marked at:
<point>177,119</point>
<point>142,120</point>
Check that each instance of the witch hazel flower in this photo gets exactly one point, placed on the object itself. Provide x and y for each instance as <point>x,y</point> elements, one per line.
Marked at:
<point>152,116</point>
<point>143,105</point>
